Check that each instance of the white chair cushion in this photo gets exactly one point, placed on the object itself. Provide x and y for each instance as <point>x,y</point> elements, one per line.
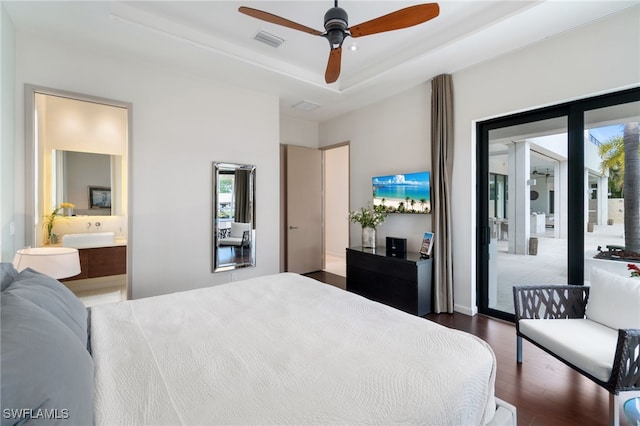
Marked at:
<point>238,228</point>
<point>614,300</point>
<point>586,344</point>
<point>231,241</point>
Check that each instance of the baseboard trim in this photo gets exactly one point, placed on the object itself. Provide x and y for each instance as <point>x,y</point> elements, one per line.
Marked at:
<point>465,310</point>
<point>340,254</point>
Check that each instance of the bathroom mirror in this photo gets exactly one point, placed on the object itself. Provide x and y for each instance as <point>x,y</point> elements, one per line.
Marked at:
<point>234,242</point>
<point>77,174</point>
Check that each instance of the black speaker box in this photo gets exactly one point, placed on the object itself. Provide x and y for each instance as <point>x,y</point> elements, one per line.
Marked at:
<point>396,245</point>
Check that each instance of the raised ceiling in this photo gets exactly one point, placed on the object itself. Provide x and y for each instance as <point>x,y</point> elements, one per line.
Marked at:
<point>213,40</point>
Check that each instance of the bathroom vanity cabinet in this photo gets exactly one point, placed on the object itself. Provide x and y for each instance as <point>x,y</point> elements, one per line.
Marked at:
<point>103,276</point>
<point>101,262</point>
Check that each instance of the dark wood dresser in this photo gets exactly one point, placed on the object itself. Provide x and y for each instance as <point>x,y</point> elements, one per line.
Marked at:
<point>401,281</point>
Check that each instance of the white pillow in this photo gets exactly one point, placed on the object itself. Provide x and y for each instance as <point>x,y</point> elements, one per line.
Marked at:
<point>614,300</point>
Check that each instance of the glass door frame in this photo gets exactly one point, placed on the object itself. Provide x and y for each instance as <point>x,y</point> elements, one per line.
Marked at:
<point>574,111</point>
<point>500,206</point>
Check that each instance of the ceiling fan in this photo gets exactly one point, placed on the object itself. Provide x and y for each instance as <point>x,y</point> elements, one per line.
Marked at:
<point>336,25</point>
<point>545,173</point>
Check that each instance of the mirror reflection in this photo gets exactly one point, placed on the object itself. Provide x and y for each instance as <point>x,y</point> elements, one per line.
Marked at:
<point>233,216</point>
<point>87,180</point>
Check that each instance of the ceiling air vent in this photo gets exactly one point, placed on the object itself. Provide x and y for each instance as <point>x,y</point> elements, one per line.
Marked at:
<point>269,39</point>
<point>305,106</point>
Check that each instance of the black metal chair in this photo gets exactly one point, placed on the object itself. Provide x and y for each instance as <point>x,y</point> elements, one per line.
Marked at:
<point>558,302</point>
<point>246,241</point>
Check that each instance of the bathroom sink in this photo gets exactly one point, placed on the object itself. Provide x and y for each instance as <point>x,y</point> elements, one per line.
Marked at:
<point>92,239</point>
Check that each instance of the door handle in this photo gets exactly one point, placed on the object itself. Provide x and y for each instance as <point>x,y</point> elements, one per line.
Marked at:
<point>293,227</point>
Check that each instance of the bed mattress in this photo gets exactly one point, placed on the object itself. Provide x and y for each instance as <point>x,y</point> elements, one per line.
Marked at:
<point>283,349</point>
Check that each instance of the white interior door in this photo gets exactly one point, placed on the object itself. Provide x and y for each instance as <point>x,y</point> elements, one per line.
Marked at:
<point>304,209</point>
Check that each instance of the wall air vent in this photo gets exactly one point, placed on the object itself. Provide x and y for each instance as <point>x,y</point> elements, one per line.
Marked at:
<point>269,39</point>
<point>305,106</point>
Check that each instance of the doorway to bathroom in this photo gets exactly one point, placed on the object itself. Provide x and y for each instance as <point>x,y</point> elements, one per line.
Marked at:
<point>77,156</point>
<point>336,207</point>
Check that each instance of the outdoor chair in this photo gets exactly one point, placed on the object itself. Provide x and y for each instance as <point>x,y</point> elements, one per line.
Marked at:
<point>593,329</point>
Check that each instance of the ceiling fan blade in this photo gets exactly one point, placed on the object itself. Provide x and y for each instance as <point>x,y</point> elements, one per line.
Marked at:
<point>333,66</point>
<point>275,19</point>
<point>403,18</point>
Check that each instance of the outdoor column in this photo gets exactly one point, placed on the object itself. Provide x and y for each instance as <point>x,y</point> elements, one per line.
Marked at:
<point>587,199</point>
<point>562,204</point>
<point>519,197</point>
<point>603,200</point>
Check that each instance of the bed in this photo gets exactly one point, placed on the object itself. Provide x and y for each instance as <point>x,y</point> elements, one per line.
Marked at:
<point>278,349</point>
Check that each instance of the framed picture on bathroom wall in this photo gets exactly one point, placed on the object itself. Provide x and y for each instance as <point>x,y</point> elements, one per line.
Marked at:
<point>99,197</point>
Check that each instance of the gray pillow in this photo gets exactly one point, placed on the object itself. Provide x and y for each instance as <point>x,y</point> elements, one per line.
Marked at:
<point>45,370</point>
<point>52,296</point>
<point>9,273</point>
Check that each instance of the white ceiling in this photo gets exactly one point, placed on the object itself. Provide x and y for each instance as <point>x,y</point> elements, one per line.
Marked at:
<point>212,39</point>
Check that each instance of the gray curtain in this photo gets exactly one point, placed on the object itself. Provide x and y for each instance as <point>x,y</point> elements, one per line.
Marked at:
<point>242,211</point>
<point>442,168</point>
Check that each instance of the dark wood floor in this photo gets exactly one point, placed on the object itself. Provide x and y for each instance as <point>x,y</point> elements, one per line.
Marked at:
<point>230,254</point>
<point>544,390</point>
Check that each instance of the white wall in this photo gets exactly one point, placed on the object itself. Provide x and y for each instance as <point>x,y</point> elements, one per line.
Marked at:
<point>386,138</point>
<point>591,158</point>
<point>72,125</point>
<point>393,135</point>
<point>181,123</point>
<point>294,131</point>
<point>7,136</point>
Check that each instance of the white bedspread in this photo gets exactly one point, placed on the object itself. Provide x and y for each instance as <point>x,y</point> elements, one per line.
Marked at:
<point>283,349</point>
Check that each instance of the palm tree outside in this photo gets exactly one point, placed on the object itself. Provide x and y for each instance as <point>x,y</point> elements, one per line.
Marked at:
<point>631,187</point>
<point>621,156</point>
<point>612,154</point>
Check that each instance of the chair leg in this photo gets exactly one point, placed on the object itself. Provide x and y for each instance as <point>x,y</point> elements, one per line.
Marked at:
<point>614,410</point>
<point>519,349</point>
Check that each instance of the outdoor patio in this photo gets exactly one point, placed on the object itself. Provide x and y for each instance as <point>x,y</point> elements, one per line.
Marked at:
<point>549,265</point>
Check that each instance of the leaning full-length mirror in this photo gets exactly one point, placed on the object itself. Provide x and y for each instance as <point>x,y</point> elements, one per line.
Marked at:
<point>233,216</point>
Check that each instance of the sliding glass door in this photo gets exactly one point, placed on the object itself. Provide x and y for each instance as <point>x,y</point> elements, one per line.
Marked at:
<point>527,242</point>
<point>541,195</point>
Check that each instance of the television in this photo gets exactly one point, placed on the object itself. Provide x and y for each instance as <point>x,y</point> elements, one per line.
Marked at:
<point>403,193</point>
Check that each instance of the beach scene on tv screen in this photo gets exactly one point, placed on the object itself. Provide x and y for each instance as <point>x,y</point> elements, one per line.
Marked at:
<point>403,193</point>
